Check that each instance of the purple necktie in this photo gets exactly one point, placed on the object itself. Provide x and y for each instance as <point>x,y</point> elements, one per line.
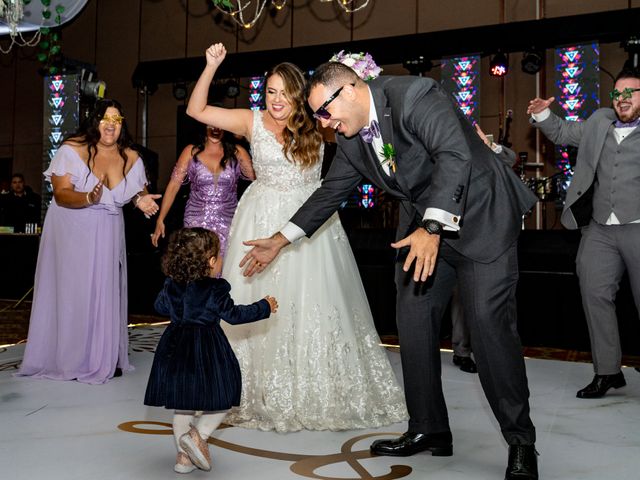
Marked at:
<point>373,130</point>
<point>621,124</point>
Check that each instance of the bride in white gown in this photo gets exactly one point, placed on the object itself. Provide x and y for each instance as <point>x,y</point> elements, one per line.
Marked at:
<point>316,364</point>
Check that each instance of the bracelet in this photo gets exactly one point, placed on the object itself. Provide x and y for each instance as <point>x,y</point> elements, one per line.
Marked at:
<point>89,202</point>
<point>137,200</point>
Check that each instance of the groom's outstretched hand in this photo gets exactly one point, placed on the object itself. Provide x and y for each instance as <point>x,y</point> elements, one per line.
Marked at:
<point>264,251</point>
<point>423,248</point>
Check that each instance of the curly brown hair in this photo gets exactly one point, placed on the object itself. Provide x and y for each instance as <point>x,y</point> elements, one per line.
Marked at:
<point>188,254</point>
<point>301,137</point>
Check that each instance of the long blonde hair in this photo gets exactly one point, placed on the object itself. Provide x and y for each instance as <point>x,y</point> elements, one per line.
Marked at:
<point>301,137</point>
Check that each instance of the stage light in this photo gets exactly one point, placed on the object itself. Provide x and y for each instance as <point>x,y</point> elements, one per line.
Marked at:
<point>232,89</point>
<point>499,65</point>
<point>94,89</point>
<point>418,66</point>
<point>531,62</point>
<point>180,90</point>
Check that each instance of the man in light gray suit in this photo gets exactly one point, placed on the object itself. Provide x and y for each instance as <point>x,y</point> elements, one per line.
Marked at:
<point>417,145</point>
<point>604,201</point>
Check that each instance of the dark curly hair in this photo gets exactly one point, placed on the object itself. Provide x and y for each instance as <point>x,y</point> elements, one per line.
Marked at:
<point>187,256</point>
<point>229,148</point>
<point>88,134</point>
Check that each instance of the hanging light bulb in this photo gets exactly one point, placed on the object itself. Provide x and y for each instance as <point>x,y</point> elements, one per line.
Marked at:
<point>246,17</point>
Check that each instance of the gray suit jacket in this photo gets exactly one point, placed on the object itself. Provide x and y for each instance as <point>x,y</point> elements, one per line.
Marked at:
<point>589,136</point>
<point>441,163</point>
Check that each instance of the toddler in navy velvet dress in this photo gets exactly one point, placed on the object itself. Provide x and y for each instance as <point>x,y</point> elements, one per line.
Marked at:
<point>195,371</point>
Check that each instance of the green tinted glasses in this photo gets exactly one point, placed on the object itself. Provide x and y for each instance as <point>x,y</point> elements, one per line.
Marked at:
<point>625,94</point>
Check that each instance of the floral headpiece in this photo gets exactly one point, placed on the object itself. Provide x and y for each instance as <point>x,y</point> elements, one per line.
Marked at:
<point>361,63</point>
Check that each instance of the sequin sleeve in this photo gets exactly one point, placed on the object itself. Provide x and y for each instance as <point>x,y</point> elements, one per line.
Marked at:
<point>179,174</point>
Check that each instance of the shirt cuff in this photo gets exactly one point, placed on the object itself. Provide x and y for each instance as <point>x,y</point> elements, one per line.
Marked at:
<point>292,232</point>
<point>542,116</point>
<point>449,221</point>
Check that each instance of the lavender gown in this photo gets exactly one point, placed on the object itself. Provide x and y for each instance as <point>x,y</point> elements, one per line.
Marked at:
<point>78,326</point>
<point>213,198</point>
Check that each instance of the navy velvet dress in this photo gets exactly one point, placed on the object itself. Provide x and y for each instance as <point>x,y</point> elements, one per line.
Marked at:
<point>194,367</point>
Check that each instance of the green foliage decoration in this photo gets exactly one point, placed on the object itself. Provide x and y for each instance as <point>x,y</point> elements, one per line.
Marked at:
<point>50,40</point>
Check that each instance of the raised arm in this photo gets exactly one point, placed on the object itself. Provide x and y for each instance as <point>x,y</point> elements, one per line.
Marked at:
<point>246,165</point>
<point>238,121</point>
<point>559,131</point>
<point>177,177</point>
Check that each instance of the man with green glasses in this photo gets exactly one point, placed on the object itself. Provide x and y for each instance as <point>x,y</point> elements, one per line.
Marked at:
<point>604,200</point>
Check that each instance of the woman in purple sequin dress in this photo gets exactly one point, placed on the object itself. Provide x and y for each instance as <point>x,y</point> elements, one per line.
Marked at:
<point>213,170</point>
<point>78,326</point>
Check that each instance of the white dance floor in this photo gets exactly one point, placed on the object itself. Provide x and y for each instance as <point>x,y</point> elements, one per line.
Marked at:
<point>67,430</point>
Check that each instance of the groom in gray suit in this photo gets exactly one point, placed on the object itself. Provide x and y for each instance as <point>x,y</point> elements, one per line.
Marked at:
<point>604,200</point>
<point>460,216</point>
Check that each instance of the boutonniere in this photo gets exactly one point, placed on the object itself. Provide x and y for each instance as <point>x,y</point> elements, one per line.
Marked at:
<point>389,154</point>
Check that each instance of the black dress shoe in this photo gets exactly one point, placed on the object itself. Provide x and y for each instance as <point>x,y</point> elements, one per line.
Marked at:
<point>117,373</point>
<point>439,444</point>
<point>600,384</point>
<point>523,464</point>
<point>466,364</point>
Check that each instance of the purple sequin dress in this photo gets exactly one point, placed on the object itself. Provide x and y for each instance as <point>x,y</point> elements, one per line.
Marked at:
<point>213,198</point>
<point>78,325</point>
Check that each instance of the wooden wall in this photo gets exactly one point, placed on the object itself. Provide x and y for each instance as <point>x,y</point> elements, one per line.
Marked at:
<point>116,34</point>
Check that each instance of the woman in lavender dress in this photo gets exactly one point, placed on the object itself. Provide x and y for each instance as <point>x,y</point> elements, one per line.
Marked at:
<point>78,326</point>
<point>213,169</point>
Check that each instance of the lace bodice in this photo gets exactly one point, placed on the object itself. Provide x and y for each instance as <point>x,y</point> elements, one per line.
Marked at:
<point>272,167</point>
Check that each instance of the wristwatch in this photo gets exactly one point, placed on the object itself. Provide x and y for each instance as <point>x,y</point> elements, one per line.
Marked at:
<point>432,226</point>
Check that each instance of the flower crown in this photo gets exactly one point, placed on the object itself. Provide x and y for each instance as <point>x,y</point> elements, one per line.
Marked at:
<point>361,63</point>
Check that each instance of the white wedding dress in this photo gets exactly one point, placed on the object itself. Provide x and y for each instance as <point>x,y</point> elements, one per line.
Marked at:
<point>317,363</point>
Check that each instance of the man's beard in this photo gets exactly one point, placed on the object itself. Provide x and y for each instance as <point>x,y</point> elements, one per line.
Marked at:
<point>629,115</point>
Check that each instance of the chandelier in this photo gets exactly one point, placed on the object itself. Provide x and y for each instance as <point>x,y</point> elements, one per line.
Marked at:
<point>12,13</point>
<point>20,16</point>
<point>247,12</point>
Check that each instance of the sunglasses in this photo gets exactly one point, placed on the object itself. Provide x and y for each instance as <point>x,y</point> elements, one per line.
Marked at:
<point>321,113</point>
<point>115,119</point>
<point>625,94</point>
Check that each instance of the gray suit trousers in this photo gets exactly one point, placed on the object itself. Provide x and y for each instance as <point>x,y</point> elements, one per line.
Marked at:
<point>488,296</point>
<point>605,252</point>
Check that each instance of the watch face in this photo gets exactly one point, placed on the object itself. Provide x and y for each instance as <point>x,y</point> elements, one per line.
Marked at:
<point>433,227</point>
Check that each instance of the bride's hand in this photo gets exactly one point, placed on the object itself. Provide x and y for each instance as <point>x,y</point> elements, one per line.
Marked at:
<point>215,55</point>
